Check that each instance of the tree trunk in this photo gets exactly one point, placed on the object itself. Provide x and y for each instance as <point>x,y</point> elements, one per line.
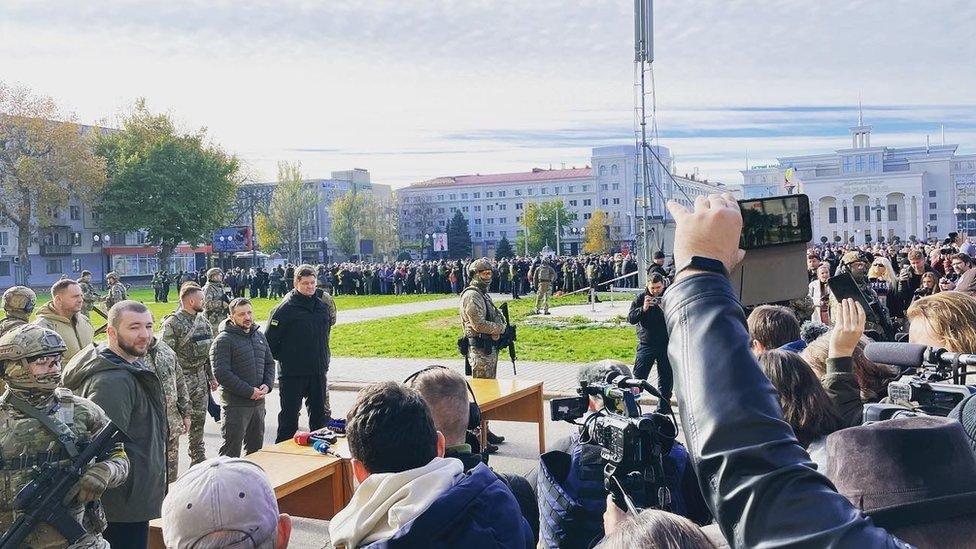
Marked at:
<point>23,244</point>
<point>165,252</point>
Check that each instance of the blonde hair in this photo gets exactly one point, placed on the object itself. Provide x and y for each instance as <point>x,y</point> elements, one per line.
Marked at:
<point>951,316</point>
<point>888,273</point>
<point>872,377</point>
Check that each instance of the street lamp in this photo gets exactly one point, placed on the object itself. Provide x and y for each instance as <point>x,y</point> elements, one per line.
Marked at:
<point>424,252</point>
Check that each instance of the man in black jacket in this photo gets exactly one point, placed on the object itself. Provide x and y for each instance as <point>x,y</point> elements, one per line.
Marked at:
<point>652,337</point>
<point>757,480</point>
<point>243,365</point>
<point>298,334</point>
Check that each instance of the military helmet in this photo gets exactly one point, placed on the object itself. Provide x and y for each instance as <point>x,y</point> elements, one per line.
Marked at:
<point>479,265</point>
<point>113,275</point>
<point>24,343</point>
<point>19,299</point>
<point>853,257</point>
<point>213,271</point>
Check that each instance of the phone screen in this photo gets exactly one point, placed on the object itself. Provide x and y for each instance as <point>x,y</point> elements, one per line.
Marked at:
<point>844,287</point>
<point>775,221</point>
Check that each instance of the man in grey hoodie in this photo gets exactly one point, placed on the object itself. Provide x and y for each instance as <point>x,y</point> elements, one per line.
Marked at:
<point>115,377</point>
<point>244,368</point>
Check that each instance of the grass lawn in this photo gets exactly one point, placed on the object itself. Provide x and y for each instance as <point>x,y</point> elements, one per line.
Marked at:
<point>434,335</point>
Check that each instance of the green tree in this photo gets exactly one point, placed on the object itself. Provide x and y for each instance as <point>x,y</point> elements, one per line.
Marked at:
<point>45,159</point>
<point>292,204</point>
<point>350,215</point>
<point>458,237</point>
<point>597,240</point>
<point>542,220</point>
<point>504,249</point>
<point>174,185</point>
<point>268,237</point>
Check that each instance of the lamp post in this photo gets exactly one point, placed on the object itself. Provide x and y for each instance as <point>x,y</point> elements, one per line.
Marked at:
<point>326,250</point>
<point>424,252</point>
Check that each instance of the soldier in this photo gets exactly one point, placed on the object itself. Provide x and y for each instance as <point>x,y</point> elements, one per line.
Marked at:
<point>189,334</point>
<point>215,298</point>
<point>88,293</point>
<point>41,423</point>
<point>167,279</point>
<point>162,359</point>
<point>18,303</point>
<point>857,265</point>
<point>157,286</point>
<point>544,275</point>
<point>483,326</point>
<point>116,290</point>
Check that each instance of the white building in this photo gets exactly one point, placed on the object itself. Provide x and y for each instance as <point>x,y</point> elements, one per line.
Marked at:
<point>493,203</point>
<point>870,193</point>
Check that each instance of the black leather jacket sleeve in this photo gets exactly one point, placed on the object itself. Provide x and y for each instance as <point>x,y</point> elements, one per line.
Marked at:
<point>758,481</point>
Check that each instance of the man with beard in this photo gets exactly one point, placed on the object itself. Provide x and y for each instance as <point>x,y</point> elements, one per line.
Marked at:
<point>857,265</point>
<point>114,376</point>
<point>188,333</point>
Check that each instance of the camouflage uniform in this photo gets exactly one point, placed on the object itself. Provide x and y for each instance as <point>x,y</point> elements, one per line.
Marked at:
<point>162,359</point>
<point>116,292</point>
<point>25,443</point>
<point>544,275</point>
<point>18,304</point>
<point>89,295</point>
<point>190,337</point>
<point>479,316</point>
<point>214,300</point>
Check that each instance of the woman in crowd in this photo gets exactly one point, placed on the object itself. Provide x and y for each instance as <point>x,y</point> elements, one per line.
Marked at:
<point>820,294</point>
<point>942,320</point>
<point>650,529</point>
<point>881,278</point>
<point>927,287</point>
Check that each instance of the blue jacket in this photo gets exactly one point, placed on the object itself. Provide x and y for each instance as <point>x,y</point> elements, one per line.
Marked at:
<point>478,511</point>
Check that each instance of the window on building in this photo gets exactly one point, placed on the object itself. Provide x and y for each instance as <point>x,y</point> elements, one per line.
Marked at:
<point>544,190</point>
<point>931,194</point>
<point>586,188</point>
<point>53,266</point>
<point>603,171</point>
<point>873,163</point>
<point>604,187</point>
<point>490,207</point>
<point>587,202</point>
<point>892,212</point>
<point>4,238</point>
<point>518,192</point>
<point>832,215</point>
<point>491,220</point>
<point>440,210</point>
<point>491,234</point>
<point>464,196</point>
<point>440,198</point>
<point>452,196</point>
<point>933,217</point>
<point>501,194</point>
<point>847,164</point>
<point>859,163</point>
<point>616,229</point>
<point>441,223</point>
<point>489,194</point>
<point>530,192</point>
<point>464,209</point>
<point>75,213</point>
<point>503,220</point>
<point>573,202</point>
<point>518,219</point>
<point>76,265</point>
<point>604,201</point>
<point>476,195</point>
<point>572,188</point>
<point>616,201</point>
<point>502,207</point>
<point>615,186</point>
<point>478,234</point>
<point>933,205</point>
<point>477,221</point>
<point>453,209</point>
<point>614,170</point>
<point>76,239</point>
<point>587,215</point>
<point>4,268</point>
<point>518,205</point>
<point>477,208</point>
<point>857,213</point>
<point>503,233</point>
<point>557,190</point>
<point>845,213</point>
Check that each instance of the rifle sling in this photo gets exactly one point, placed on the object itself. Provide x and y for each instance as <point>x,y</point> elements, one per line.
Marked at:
<point>55,426</point>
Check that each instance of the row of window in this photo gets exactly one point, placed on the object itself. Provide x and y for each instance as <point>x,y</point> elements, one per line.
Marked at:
<point>517,192</point>
<point>892,213</point>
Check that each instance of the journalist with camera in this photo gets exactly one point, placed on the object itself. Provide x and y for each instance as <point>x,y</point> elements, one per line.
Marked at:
<point>652,337</point>
<point>617,451</point>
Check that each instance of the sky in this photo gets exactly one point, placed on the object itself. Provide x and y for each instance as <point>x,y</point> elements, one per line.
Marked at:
<point>412,90</point>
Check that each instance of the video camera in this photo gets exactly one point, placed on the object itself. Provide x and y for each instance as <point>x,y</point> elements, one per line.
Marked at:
<point>632,445</point>
<point>933,379</point>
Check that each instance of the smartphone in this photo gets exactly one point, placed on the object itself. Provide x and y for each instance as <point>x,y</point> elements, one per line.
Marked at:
<point>843,287</point>
<point>775,221</point>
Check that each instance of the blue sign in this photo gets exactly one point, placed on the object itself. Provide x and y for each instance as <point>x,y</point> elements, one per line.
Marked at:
<point>232,239</point>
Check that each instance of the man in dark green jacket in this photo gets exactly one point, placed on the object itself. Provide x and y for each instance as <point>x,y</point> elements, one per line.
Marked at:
<point>115,377</point>
<point>245,369</point>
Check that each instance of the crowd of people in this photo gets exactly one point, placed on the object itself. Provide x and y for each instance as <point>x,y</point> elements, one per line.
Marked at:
<point>775,450</point>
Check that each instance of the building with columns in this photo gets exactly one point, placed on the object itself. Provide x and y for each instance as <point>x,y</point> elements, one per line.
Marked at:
<point>493,203</point>
<point>868,194</point>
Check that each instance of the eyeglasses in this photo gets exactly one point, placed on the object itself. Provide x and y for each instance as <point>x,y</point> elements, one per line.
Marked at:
<point>879,264</point>
<point>45,360</point>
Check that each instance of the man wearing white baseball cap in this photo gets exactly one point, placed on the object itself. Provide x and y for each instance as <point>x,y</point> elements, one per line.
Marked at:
<point>224,502</point>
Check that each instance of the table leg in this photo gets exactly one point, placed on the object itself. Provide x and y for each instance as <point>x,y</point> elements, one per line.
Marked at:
<point>541,420</point>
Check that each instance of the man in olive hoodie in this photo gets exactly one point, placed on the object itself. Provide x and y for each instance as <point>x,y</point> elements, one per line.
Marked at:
<point>244,368</point>
<point>115,377</point>
<point>63,315</point>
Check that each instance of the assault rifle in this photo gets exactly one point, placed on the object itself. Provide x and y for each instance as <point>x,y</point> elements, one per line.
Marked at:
<point>42,499</point>
<point>508,338</point>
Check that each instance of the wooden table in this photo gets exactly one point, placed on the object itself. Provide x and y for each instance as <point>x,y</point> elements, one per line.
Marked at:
<point>510,400</point>
<point>306,483</point>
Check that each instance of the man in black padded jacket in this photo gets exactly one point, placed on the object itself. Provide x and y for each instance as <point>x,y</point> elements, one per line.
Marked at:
<point>758,481</point>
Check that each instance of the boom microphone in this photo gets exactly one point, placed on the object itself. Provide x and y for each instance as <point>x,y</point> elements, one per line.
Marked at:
<point>913,355</point>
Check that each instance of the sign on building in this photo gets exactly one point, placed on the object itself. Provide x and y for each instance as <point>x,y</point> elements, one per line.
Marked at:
<point>440,242</point>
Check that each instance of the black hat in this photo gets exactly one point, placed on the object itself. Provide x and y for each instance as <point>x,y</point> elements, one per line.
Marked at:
<point>659,255</point>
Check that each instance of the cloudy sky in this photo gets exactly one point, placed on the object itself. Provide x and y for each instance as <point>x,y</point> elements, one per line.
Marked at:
<point>414,89</point>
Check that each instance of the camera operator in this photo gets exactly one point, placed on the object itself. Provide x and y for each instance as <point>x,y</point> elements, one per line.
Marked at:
<point>755,476</point>
<point>652,338</point>
<point>572,497</point>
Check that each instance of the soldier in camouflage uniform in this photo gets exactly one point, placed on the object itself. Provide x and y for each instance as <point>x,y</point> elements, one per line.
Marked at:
<point>18,303</point>
<point>89,295</point>
<point>189,334</point>
<point>116,291</point>
<point>30,360</point>
<point>215,298</point>
<point>857,264</point>
<point>544,276</point>
<point>162,359</point>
